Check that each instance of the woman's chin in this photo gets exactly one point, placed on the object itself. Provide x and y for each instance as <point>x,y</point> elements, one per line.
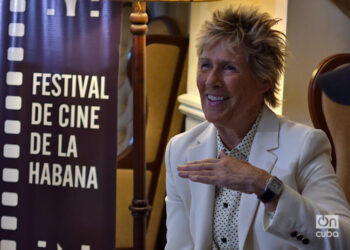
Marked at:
<point>215,119</point>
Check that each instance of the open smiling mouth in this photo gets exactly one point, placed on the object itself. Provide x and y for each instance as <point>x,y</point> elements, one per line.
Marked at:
<point>214,98</point>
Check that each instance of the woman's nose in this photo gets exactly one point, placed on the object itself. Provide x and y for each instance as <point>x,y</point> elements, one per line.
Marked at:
<point>214,78</point>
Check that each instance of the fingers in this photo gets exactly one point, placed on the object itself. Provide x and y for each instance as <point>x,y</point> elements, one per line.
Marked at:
<point>205,177</point>
<point>207,164</point>
<point>198,171</point>
<point>195,166</point>
<point>191,174</point>
<point>209,160</point>
<point>225,172</point>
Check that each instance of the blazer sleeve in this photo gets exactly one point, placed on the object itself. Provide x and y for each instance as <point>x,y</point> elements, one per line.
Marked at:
<point>178,227</point>
<point>318,194</point>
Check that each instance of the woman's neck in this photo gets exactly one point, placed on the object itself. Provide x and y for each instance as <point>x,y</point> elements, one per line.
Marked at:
<point>233,134</point>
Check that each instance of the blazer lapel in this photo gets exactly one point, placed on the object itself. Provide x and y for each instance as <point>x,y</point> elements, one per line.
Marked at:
<point>203,195</point>
<point>265,140</point>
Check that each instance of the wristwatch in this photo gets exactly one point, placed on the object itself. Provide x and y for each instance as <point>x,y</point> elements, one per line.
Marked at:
<point>273,189</point>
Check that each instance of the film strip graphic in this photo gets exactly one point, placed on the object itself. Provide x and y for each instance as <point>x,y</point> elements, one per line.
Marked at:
<point>12,127</point>
<point>13,103</point>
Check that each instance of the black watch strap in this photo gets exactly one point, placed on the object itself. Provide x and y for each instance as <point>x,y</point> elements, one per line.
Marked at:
<point>267,196</point>
<point>272,190</point>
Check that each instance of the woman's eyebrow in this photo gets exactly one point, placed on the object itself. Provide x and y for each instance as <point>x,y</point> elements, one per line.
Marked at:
<point>228,61</point>
<point>222,61</point>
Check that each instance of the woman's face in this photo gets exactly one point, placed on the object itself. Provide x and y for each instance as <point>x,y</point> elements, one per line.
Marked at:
<point>226,85</point>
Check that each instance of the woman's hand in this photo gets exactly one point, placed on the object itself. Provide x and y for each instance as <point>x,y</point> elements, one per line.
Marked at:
<point>226,172</point>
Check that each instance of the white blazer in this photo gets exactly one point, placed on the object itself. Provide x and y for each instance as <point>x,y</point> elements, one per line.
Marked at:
<point>297,154</point>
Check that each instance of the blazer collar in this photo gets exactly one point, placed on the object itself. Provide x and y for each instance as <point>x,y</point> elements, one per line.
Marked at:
<point>208,136</point>
<point>266,139</point>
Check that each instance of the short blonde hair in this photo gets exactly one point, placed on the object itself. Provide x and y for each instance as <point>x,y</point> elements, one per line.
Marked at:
<point>264,47</point>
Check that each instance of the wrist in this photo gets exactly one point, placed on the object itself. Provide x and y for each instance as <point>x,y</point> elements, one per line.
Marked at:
<point>261,181</point>
<point>272,205</point>
<point>272,191</point>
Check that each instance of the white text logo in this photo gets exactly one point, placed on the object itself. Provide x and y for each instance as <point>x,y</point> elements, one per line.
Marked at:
<point>328,223</point>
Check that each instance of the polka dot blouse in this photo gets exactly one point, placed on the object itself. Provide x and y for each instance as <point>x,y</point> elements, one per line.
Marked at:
<point>226,207</point>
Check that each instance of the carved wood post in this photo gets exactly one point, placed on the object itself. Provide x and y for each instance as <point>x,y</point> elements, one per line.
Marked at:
<point>139,207</point>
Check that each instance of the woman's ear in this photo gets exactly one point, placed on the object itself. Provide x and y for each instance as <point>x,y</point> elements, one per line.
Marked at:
<point>266,86</point>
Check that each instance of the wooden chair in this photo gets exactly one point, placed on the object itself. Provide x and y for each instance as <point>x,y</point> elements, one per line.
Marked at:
<point>165,79</point>
<point>333,118</point>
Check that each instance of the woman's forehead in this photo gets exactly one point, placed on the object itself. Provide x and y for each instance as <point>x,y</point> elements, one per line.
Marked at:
<point>223,45</point>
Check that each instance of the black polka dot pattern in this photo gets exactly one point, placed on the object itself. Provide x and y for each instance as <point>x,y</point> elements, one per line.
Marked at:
<point>226,207</point>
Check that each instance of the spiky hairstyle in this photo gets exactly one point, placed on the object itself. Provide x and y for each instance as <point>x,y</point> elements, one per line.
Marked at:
<point>264,47</point>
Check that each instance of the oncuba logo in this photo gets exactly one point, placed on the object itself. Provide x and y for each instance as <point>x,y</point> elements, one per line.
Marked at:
<point>327,223</point>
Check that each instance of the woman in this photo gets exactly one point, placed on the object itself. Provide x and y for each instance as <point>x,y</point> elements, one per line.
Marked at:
<point>247,178</point>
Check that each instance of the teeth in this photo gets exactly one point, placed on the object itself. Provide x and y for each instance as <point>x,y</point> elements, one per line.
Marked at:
<point>216,98</point>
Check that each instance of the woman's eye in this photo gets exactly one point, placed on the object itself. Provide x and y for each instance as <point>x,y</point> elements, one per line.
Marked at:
<point>230,68</point>
<point>204,66</point>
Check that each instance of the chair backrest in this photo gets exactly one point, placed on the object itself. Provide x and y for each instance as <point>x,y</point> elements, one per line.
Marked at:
<point>164,119</point>
<point>333,118</point>
<point>165,80</point>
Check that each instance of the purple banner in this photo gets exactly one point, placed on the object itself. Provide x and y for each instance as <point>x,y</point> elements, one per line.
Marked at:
<point>58,120</point>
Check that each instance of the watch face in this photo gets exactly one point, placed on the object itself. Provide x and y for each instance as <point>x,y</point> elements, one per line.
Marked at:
<point>275,185</point>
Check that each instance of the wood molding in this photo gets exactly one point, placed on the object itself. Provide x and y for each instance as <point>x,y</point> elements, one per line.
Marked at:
<point>190,105</point>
